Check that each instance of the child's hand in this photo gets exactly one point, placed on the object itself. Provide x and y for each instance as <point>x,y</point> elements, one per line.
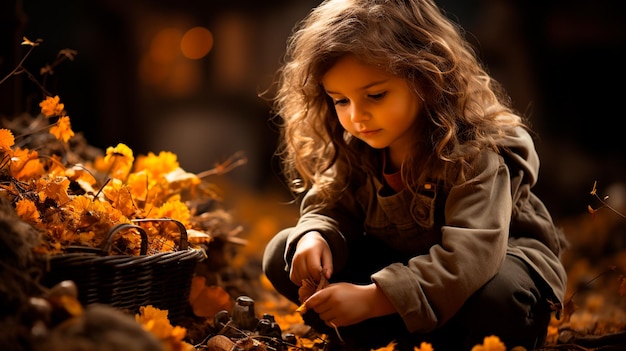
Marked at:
<point>343,304</point>
<point>312,258</point>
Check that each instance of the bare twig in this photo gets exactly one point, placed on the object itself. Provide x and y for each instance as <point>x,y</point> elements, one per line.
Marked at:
<point>603,201</point>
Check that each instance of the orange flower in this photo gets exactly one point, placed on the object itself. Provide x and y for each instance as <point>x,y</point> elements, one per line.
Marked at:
<point>156,322</point>
<point>490,343</point>
<point>62,130</point>
<point>25,164</point>
<point>6,139</point>
<point>390,347</point>
<point>424,346</point>
<point>51,106</point>
<point>76,173</point>
<point>55,188</point>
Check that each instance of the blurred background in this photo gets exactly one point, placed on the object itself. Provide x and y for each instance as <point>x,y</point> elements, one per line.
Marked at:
<point>185,76</point>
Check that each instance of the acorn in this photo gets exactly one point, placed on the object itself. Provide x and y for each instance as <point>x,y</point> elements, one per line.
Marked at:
<point>222,343</point>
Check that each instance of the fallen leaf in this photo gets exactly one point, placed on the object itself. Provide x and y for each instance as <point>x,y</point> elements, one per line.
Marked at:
<point>198,283</point>
<point>205,300</point>
<point>308,288</point>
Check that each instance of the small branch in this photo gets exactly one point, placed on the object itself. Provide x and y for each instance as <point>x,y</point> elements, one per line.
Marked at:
<point>603,202</point>
<point>234,161</point>
<point>19,68</point>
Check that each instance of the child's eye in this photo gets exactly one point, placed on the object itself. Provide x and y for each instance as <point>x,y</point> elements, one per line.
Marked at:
<point>341,102</point>
<point>377,96</point>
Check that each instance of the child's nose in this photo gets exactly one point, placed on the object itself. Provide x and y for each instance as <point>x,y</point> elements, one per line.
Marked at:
<point>358,114</point>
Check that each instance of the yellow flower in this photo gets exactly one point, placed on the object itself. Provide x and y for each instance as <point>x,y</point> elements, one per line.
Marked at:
<point>159,165</point>
<point>119,196</point>
<point>27,210</point>
<point>62,130</point>
<point>86,238</point>
<point>6,139</point>
<point>176,210</point>
<point>87,211</point>
<point>51,106</point>
<point>119,161</point>
<point>139,183</point>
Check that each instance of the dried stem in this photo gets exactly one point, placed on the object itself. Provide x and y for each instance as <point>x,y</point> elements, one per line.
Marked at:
<point>603,202</point>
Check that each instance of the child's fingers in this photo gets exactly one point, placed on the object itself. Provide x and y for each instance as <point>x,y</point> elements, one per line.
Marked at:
<point>327,264</point>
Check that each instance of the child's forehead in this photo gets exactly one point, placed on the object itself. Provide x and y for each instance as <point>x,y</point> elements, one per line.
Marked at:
<point>351,73</point>
<point>353,64</point>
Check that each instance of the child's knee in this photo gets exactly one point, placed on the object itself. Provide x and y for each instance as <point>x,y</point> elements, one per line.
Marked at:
<point>275,267</point>
<point>274,254</point>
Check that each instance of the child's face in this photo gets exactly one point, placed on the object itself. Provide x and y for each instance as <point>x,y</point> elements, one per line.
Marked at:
<point>373,105</point>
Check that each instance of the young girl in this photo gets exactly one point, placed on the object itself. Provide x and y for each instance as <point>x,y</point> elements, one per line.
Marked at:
<point>416,177</point>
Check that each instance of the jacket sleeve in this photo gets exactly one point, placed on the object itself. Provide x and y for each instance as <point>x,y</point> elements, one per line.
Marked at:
<point>431,288</point>
<point>337,220</point>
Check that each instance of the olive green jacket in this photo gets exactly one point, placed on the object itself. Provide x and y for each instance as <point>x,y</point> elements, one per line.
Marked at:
<point>454,239</point>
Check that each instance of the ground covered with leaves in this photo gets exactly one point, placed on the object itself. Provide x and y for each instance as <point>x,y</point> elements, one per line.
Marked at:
<point>594,317</point>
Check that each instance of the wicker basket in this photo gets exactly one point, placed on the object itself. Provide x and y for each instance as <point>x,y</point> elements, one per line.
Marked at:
<point>128,282</point>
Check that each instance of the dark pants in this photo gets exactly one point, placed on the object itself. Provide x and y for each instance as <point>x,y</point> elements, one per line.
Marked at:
<point>510,306</point>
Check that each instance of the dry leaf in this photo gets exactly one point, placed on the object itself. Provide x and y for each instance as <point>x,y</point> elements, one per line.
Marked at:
<point>308,288</point>
<point>198,283</point>
<point>206,301</point>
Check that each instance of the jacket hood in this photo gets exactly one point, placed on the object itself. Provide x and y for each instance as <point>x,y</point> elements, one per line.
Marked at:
<point>518,147</point>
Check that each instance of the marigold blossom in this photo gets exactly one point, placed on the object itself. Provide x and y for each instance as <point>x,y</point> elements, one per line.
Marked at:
<point>119,161</point>
<point>159,165</point>
<point>490,343</point>
<point>6,139</point>
<point>25,164</point>
<point>176,210</point>
<point>155,321</point>
<point>51,106</point>
<point>62,130</point>
<point>424,346</point>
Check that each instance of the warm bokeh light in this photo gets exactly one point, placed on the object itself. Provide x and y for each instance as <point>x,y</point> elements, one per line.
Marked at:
<point>164,45</point>
<point>167,67</point>
<point>196,43</point>
<point>185,79</point>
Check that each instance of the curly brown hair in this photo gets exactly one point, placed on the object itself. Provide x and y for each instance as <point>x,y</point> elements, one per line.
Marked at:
<point>465,110</point>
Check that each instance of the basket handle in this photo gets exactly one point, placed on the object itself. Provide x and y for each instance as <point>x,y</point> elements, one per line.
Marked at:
<point>106,244</point>
<point>184,243</point>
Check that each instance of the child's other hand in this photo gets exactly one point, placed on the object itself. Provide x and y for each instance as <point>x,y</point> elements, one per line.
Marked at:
<point>312,258</point>
<point>343,304</point>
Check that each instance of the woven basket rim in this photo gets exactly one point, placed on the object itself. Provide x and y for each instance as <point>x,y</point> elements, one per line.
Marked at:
<point>105,247</point>
<point>164,255</point>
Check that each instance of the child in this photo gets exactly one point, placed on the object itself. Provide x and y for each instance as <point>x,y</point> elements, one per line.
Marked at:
<point>416,177</point>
